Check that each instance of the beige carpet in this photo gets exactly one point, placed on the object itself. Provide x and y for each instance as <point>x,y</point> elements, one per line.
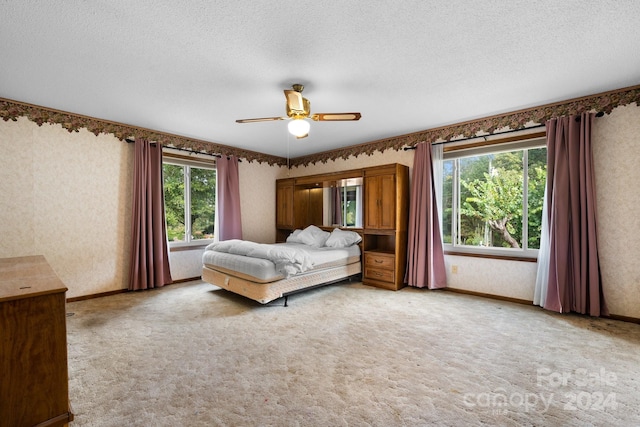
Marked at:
<point>345,355</point>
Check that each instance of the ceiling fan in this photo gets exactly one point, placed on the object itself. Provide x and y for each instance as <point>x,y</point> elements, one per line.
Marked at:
<point>299,109</point>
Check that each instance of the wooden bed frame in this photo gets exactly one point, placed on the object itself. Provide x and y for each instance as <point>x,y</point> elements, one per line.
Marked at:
<point>267,292</point>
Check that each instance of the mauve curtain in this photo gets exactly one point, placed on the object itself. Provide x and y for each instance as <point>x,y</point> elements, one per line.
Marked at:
<point>425,264</point>
<point>228,216</point>
<point>336,212</point>
<point>574,281</point>
<point>149,249</point>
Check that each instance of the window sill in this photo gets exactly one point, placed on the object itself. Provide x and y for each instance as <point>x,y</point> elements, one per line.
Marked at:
<point>188,246</point>
<point>493,256</point>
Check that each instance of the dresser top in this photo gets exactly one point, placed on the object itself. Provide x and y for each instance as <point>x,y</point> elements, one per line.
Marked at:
<point>26,277</point>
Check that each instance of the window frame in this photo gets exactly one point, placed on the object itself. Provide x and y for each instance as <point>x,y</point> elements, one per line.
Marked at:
<point>344,190</point>
<point>496,146</point>
<point>188,163</point>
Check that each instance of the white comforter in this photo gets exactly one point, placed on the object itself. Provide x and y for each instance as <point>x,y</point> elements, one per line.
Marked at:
<point>288,261</point>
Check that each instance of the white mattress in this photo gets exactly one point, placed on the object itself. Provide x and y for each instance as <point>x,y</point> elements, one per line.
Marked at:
<point>264,270</point>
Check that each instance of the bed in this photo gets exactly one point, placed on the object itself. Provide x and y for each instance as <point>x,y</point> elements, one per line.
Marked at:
<point>266,272</point>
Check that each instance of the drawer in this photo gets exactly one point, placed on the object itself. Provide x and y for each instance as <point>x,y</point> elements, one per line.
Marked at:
<point>379,260</point>
<point>379,274</point>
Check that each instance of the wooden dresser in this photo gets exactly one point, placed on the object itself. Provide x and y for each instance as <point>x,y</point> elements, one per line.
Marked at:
<point>34,386</point>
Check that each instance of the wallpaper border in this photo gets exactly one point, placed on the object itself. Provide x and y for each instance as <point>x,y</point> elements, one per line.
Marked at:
<point>11,110</point>
<point>603,102</point>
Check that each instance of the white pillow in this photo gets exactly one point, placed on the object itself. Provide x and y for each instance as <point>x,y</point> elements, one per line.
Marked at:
<point>342,239</point>
<point>313,236</point>
<point>293,237</point>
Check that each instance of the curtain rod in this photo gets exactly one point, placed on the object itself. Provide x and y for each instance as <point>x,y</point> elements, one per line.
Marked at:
<point>476,137</point>
<point>598,114</point>
<point>129,141</point>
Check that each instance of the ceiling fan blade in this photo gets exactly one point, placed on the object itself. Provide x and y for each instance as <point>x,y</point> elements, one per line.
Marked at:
<point>295,102</point>
<point>333,117</point>
<point>264,119</point>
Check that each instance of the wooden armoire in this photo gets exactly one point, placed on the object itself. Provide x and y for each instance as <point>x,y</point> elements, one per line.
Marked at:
<point>385,228</point>
<point>299,203</point>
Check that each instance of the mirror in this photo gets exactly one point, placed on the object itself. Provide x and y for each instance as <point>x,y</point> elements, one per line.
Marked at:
<point>342,203</point>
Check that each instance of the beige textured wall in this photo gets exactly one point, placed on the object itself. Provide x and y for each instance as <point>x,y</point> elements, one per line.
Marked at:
<point>17,232</point>
<point>616,139</point>
<point>67,196</point>
<point>616,152</point>
<point>513,279</point>
<point>258,200</point>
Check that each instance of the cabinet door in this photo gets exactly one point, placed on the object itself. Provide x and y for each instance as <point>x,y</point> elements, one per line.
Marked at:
<point>387,209</point>
<point>380,195</point>
<point>371,200</point>
<point>284,205</point>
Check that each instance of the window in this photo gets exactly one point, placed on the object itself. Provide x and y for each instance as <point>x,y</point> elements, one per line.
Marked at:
<point>348,202</point>
<point>492,198</point>
<point>189,200</point>
<point>351,202</point>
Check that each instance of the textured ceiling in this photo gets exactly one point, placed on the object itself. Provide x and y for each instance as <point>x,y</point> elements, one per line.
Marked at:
<point>193,67</point>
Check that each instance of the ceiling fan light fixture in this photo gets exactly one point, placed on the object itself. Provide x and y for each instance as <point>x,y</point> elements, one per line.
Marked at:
<point>299,109</point>
<point>299,127</point>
